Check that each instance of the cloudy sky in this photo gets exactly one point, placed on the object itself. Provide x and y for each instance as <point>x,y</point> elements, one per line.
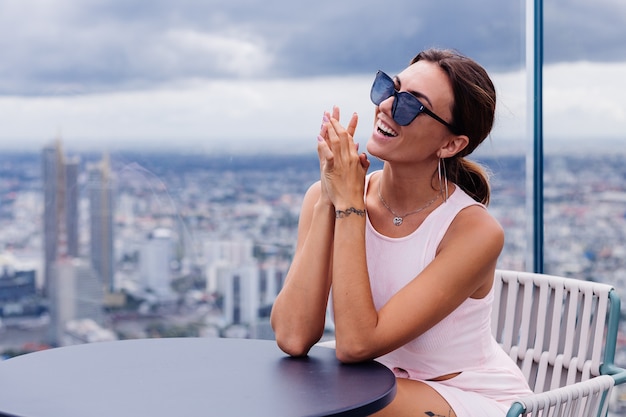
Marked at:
<point>212,75</point>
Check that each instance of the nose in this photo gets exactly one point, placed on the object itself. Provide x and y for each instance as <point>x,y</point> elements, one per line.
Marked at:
<point>387,105</point>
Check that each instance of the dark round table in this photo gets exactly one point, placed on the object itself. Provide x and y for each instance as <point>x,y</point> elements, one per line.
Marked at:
<point>189,377</point>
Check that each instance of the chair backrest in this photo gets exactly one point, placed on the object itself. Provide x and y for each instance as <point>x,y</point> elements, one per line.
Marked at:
<point>559,330</point>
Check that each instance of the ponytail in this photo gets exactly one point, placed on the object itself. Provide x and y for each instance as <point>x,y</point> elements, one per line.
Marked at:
<point>472,177</point>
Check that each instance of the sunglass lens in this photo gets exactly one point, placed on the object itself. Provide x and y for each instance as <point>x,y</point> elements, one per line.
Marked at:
<point>382,88</point>
<point>406,108</point>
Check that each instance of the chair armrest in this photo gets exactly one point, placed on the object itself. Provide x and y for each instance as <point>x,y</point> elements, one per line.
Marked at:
<point>618,374</point>
<point>586,398</point>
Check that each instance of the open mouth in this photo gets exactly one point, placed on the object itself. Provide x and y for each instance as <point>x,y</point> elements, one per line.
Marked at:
<point>385,130</point>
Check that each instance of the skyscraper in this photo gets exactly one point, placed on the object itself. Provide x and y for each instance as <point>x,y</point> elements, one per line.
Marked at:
<point>73,289</point>
<point>75,293</point>
<point>60,218</point>
<point>100,189</point>
<point>155,259</point>
<point>239,286</point>
<point>71,166</point>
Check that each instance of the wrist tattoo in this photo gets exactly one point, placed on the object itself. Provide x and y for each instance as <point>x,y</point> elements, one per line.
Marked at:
<point>339,214</point>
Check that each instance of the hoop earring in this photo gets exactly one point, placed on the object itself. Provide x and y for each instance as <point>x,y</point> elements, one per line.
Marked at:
<point>443,179</point>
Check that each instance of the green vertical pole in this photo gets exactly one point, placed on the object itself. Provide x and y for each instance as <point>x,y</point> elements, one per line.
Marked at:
<point>534,165</point>
<point>538,134</point>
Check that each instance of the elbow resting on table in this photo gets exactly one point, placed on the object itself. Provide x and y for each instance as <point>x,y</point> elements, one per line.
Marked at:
<point>352,352</point>
<point>293,345</point>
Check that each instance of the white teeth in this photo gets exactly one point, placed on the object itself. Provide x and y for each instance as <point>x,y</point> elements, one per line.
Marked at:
<point>386,130</point>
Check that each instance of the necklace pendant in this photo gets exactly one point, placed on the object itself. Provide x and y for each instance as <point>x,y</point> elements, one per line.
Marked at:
<point>397,220</point>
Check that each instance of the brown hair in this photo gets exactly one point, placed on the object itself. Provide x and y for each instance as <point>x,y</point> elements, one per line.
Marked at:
<point>473,114</point>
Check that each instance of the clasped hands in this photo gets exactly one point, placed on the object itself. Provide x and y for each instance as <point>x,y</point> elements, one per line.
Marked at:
<point>342,168</point>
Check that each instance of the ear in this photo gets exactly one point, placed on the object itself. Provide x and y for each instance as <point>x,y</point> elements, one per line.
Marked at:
<point>453,146</point>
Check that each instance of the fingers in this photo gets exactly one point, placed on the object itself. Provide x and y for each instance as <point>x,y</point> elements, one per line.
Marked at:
<point>324,126</point>
<point>327,116</point>
<point>340,138</point>
<point>354,120</point>
<point>323,151</point>
<point>342,168</point>
<point>332,131</point>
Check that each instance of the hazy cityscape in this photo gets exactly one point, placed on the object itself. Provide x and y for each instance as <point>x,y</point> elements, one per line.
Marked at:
<point>162,245</point>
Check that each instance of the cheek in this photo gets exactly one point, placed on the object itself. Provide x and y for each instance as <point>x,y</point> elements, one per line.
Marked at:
<point>376,112</point>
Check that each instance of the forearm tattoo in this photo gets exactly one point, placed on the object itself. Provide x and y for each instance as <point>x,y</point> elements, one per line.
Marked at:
<point>339,214</point>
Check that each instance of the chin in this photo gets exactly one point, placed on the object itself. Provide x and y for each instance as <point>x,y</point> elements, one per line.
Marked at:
<point>374,150</point>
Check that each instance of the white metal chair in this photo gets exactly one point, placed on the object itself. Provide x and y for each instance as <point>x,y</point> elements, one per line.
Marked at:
<point>562,332</point>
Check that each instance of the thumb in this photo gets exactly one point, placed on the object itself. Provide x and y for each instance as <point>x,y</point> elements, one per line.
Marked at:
<point>365,163</point>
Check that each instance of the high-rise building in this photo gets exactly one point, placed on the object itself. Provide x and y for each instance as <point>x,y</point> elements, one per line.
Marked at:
<point>73,289</point>
<point>18,289</point>
<point>230,253</point>
<point>60,218</point>
<point>239,286</point>
<point>100,190</point>
<point>154,261</point>
<point>72,196</point>
<point>50,167</point>
<point>75,293</point>
<point>234,274</point>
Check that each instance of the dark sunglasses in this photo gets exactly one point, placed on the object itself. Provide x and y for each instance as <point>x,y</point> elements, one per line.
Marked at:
<point>406,107</point>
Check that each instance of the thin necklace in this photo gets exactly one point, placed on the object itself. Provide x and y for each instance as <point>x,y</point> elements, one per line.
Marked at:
<point>397,219</point>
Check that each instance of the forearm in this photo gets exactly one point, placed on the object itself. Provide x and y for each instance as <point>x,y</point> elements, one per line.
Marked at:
<point>298,314</point>
<point>355,314</point>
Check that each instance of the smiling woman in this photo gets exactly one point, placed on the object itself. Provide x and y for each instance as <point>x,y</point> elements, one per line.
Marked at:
<point>415,290</point>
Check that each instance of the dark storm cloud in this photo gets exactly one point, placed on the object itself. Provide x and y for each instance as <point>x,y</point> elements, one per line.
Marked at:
<point>73,47</point>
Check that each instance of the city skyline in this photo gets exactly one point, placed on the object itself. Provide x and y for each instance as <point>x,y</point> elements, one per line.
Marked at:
<point>233,221</point>
<point>162,181</point>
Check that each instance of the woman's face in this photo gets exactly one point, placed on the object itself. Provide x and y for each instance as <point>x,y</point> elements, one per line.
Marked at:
<point>424,135</point>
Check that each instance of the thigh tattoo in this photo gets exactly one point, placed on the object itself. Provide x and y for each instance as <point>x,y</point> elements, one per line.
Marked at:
<point>431,414</point>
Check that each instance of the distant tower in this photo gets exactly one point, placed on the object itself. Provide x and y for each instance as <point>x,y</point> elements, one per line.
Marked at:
<point>226,252</point>
<point>60,218</point>
<point>233,272</point>
<point>75,293</point>
<point>51,164</point>
<point>240,287</point>
<point>71,205</point>
<point>154,262</point>
<point>271,281</point>
<point>100,191</point>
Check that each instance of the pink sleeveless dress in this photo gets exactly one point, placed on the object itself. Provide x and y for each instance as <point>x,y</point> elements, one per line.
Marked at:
<point>462,342</point>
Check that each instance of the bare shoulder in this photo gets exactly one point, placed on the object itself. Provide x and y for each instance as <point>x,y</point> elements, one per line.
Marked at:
<point>477,217</point>
<point>474,225</point>
<point>473,243</point>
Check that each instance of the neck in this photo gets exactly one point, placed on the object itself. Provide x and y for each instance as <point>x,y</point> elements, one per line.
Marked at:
<point>405,190</point>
